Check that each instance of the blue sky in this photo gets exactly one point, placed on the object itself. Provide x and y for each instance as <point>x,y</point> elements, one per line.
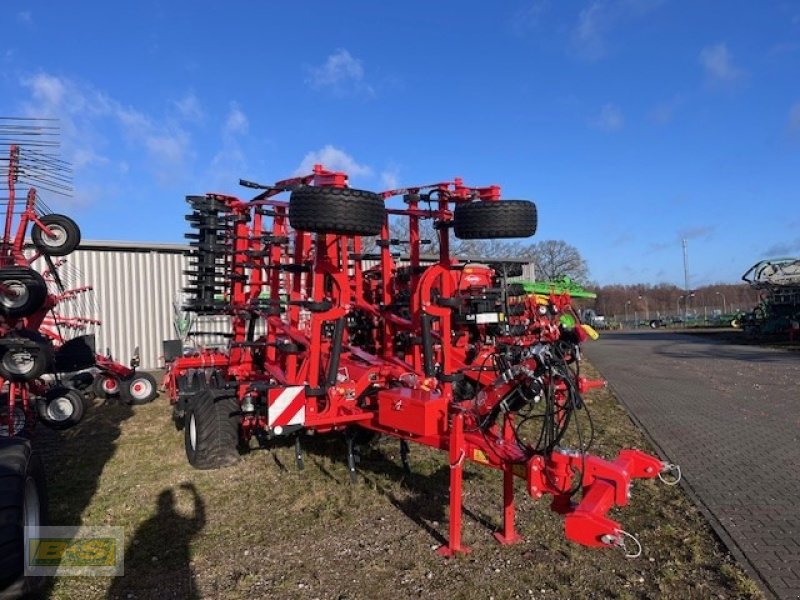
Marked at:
<point>631,123</point>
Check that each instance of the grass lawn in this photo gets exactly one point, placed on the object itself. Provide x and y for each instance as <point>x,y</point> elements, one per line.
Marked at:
<point>263,529</point>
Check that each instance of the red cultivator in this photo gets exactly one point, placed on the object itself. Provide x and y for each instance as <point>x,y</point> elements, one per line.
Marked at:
<point>449,355</point>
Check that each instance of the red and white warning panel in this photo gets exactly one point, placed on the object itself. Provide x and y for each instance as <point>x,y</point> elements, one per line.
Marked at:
<point>286,407</point>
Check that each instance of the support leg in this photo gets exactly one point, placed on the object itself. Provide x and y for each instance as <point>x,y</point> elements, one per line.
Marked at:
<point>457,457</point>
<point>509,534</point>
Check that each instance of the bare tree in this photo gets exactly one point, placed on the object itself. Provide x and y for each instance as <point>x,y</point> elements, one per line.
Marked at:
<point>556,259</point>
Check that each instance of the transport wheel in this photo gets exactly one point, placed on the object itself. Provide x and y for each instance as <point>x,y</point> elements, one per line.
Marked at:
<point>66,235</point>
<point>490,220</point>
<point>62,408</point>
<point>211,434</point>
<point>24,356</point>
<point>342,211</point>
<point>141,388</point>
<point>23,503</point>
<point>25,291</point>
<point>106,386</point>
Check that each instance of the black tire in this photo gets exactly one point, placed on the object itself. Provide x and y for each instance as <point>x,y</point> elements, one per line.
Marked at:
<point>25,356</point>
<point>140,388</point>
<point>106,385</point>
<point>211,434</point>
<point>23,502</point>
<point>66,235</point>
<point>28,288</point>
<point>491,220</point>
<point>62,408</point>
<point>342,211</point>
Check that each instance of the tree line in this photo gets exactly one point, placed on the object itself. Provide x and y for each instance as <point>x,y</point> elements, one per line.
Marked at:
<point>556,259</point>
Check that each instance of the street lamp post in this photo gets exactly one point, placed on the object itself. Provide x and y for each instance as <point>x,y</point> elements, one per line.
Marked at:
<point>724,304</point>
<point>646,310</point>
<point>627,302</point>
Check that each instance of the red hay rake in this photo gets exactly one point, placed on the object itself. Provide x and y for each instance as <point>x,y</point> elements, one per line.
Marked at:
<point>449,355</point>
<point>42,310</point>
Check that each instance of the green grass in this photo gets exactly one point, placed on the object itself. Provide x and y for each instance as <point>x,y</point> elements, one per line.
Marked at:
<point>264,529</point>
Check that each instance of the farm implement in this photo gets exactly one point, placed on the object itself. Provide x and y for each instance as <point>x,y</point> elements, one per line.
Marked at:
<point>778,312</point>
<point>329,331</point>
<point>44,348</point>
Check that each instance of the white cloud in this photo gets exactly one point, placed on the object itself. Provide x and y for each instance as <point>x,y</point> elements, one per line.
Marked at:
<point>599,18</point>
<point>718,64</point>
<point>25,17</point>
<point>588,36</point>
<point>189,108</point>
<point>341,73</point>
<point>85,116</point>
<point>390,178</point>
<point>334,159</point>
<point>236,122</point>
<point>529,17</point>
<point>610,118</point>
<point>794,117</point>
<point>664,112</point>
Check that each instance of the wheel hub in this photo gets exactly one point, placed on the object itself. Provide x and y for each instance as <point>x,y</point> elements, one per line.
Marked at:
<point>192,432</point>
<point>60,409</point>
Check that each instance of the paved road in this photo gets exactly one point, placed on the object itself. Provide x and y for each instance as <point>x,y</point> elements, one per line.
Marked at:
<point>730,416</point>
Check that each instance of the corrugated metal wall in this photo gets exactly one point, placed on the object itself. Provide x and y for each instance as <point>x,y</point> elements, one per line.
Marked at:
<point>136,288</point>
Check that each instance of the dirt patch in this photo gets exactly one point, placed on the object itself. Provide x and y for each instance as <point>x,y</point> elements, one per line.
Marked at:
<point>264,529</point>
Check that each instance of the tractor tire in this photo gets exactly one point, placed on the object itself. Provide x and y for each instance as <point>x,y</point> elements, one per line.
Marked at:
<point>140,388</point>
<point>28,288</point>
<point>23,503</point>
<point>106,386</point>
<point>25,356</point>
<point>65,238</point>
<point>62,408</point>
<point>211,434</point>
<point>341,211</point>
<point>491,220</point>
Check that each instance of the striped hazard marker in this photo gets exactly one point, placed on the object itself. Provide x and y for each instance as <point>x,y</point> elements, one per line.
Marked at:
<point>286,407</point>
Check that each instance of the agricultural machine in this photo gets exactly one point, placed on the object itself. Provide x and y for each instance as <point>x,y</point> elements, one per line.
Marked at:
<point>326,335</point>
<point>778,312</point>
<point>44,348</point>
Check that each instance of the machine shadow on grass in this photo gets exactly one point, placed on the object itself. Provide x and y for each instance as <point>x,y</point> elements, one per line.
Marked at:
<point>158,556</point>
<point>74,461</point>
<point>427,492</point>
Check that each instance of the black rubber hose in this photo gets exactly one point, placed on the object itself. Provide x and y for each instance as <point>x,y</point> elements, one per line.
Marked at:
<point>427,346</point>
<point>336,352</point>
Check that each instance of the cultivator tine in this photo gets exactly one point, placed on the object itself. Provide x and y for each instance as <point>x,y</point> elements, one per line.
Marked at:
<point>351,455</point>
<point>298,453</point>
<point>404,452</point>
